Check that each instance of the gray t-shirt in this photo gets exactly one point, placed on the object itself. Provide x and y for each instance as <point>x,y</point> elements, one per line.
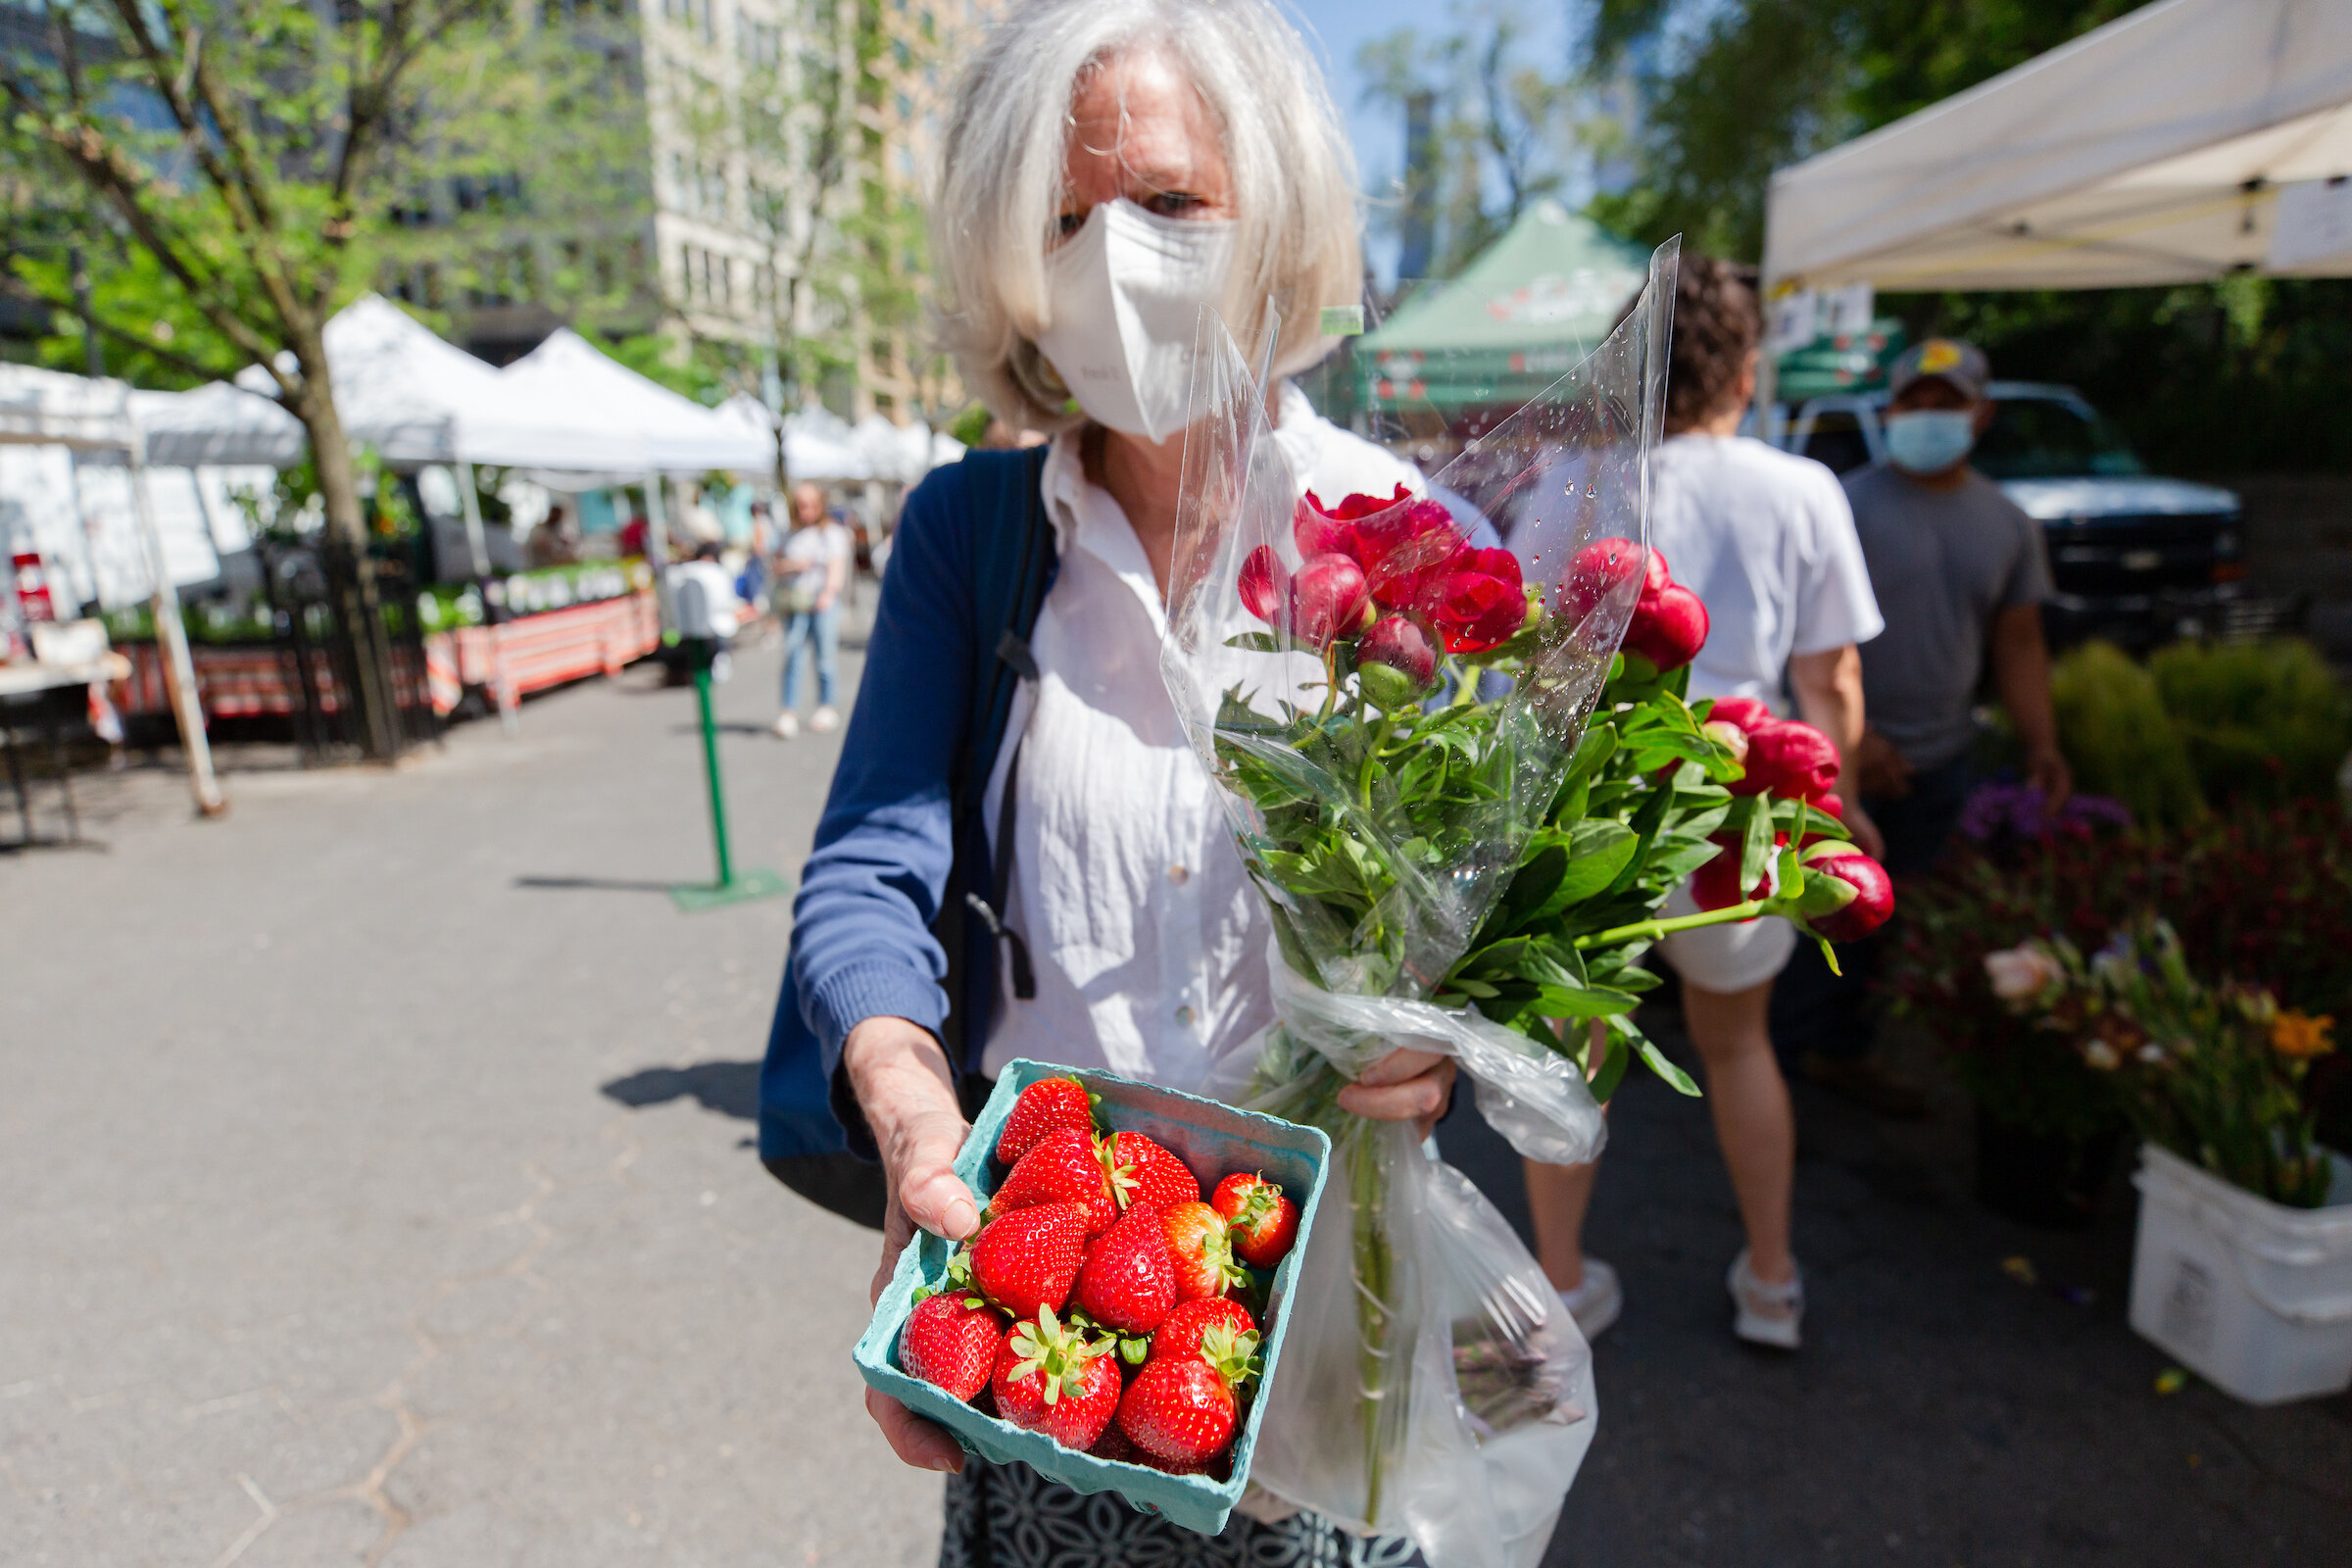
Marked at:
<point>1943,564</point>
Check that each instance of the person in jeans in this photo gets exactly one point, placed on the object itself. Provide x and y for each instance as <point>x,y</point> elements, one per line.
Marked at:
<point>1765,539</point>
<point>812,573</point>
<point>1962,576</point>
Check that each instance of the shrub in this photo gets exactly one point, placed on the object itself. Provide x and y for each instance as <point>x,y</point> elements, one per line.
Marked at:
<point>2119,739</point>
<point>2264,723</point>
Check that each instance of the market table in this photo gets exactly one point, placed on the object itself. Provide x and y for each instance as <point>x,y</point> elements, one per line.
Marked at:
<point>30,691</point>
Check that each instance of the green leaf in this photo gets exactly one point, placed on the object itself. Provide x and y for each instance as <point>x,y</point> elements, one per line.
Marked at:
<point>1614,1060</point>
<point>1259,642</point>
<point>1755,848</point>
<point>1657,1062</point>
<point>1590,1002</point>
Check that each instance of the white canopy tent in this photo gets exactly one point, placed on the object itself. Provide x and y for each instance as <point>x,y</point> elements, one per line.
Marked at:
<point>2188,140</point>
<point>219,425</point>
<point>45,407</point>
<point>641,426</point>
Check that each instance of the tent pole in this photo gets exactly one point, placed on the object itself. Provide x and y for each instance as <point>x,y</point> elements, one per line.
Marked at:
<point>475,543</point>
<point>179,671</point>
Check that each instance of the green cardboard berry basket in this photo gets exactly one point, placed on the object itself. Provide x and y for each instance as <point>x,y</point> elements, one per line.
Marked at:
<point>1215,1141</point>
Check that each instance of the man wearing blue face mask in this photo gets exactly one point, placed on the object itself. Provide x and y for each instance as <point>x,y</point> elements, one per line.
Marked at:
<point>1960,575</point>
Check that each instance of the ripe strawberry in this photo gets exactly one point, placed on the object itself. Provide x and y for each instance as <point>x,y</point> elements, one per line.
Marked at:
<point>1128,1281</point>
<point>1158,1177</point>
<point>1027,1259</point>
<point>1264,1222</point>
<point>1051,1379</point>
<point>1062,1167</point>
<point>1048,1106</point>
<point>951,1341</point>
<point>1180,1333</point>
<point>1180,1410</point>
<point>1117,1445</point>
<point>1204,1265</point>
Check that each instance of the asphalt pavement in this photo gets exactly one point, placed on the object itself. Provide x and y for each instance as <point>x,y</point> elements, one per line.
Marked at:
<point>382,1192</point>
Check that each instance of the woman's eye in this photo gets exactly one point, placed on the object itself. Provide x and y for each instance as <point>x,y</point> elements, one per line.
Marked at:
<point>1068,223</point>
<point>1171,203</point>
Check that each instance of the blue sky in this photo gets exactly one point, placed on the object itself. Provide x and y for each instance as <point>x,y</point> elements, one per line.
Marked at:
<point>1337,28</point>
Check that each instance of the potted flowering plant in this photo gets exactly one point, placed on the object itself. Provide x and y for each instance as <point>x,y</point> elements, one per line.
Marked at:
<point>2244,1266</point>
<point>2047,1127</point>
<point>1464,779</point>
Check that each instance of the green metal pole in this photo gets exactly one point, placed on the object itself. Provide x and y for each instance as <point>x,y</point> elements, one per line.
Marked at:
<point>719,800</point>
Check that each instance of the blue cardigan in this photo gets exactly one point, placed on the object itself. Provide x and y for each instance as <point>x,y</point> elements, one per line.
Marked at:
<point>969,564</point>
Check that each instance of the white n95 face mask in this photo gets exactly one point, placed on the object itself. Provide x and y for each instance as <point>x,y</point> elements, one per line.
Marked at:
<point>1125,293</point>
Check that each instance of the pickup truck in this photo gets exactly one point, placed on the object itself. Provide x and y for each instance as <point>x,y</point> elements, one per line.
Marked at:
<point>2136,558</point>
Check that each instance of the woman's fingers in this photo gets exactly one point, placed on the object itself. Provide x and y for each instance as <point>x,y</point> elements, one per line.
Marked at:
<point>1420,1097</point>
<point>922,1164</point>
<point>925,1444</point>
<point>1398,1065</point>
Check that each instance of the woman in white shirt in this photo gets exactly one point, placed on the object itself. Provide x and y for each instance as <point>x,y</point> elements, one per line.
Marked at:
<point>1767,542</point>
<point>812,576</point>
<point>1109,167</point>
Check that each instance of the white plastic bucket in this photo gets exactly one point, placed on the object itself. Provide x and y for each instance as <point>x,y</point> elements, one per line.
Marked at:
<point>2256,1298</point>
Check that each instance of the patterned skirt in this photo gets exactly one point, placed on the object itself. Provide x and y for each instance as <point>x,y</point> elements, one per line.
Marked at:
<point>1008,1516</point>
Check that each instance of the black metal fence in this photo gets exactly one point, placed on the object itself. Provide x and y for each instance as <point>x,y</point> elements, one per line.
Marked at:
<point>324,648</point>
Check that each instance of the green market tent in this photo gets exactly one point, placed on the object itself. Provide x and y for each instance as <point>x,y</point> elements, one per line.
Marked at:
<point>1532,306</point>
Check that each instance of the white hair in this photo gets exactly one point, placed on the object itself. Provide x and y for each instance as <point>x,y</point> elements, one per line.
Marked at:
<point>1298,237</point>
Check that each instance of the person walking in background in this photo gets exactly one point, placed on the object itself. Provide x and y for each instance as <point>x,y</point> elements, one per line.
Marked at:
<point>813,572</point>
<point>1962,575</point>
<point>1766,541</point>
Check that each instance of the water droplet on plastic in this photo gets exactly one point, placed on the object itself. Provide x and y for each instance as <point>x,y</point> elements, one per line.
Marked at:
<point>1591,491</point>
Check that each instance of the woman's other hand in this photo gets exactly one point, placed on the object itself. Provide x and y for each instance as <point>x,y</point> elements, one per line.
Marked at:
<point>900,1077</point>
<point>1405,1085</point>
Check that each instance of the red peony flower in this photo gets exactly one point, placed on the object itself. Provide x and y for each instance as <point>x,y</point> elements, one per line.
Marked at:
<point>1600,566</point>
<point>1480,605</point>
<point>1872,900</point>
<point>1791,760</point>
<point>1748,713</point>
<point>1715,885</point>
<point>1266,584</point>
<point>1669,628</point>
<point>1328,599</point>
<point>1402,644</point>
<point>1405,546</point>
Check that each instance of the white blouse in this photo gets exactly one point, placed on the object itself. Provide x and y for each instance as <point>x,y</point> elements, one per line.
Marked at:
<point>1147,942</point>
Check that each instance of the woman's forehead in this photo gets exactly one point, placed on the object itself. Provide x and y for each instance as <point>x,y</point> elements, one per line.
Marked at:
<point>1134,119</point>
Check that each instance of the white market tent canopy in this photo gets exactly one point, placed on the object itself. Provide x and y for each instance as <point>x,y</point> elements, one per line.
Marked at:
<point>415,399</point>
<point>218,424</point>
<point>2185,140</point>
<point>639,426</point>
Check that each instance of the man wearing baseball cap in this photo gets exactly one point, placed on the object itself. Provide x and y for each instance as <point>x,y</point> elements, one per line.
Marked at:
<point>1960,573</point>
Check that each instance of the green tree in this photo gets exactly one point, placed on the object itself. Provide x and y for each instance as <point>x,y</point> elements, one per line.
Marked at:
<point>241,167</point>
<point>1503,132</point>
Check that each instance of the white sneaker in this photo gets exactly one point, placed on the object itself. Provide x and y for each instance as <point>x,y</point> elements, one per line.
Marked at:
<point>788,725</point>
<point>1765,1314</point>
<point>1596,1300</point>
<point>824,721</point>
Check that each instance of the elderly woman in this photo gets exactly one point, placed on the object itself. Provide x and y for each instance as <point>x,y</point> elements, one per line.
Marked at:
<point>1021,856</point>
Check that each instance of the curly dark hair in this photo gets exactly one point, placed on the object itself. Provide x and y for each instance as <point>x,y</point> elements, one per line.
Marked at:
<point>1716,323</point>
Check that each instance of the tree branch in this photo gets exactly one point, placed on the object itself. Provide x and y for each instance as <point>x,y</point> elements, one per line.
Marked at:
<point>17,288</point>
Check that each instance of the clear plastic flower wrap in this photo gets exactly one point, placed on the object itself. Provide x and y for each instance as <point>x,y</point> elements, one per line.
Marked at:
<point>1390,704</point>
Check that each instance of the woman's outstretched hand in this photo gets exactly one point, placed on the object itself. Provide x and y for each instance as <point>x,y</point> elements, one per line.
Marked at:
<point>1405,1085</point>
<point>901,1078</point>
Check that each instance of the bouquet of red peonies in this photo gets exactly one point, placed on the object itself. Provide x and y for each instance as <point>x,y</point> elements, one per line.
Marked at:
<point>1464,778</point>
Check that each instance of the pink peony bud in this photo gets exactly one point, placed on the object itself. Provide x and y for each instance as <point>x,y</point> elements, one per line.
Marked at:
<point>1478,609</point>
<point>1328,599</point>
<point>1669,629</point>
<point>1745,711</point>
<point>1264,584</point>
<point>1872,900</point>
<point>1403,645</point>
<point>1791,760</point>
<point>1731,737</point>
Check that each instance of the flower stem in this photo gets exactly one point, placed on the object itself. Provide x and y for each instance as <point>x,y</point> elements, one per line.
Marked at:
<point>1655,929</point>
